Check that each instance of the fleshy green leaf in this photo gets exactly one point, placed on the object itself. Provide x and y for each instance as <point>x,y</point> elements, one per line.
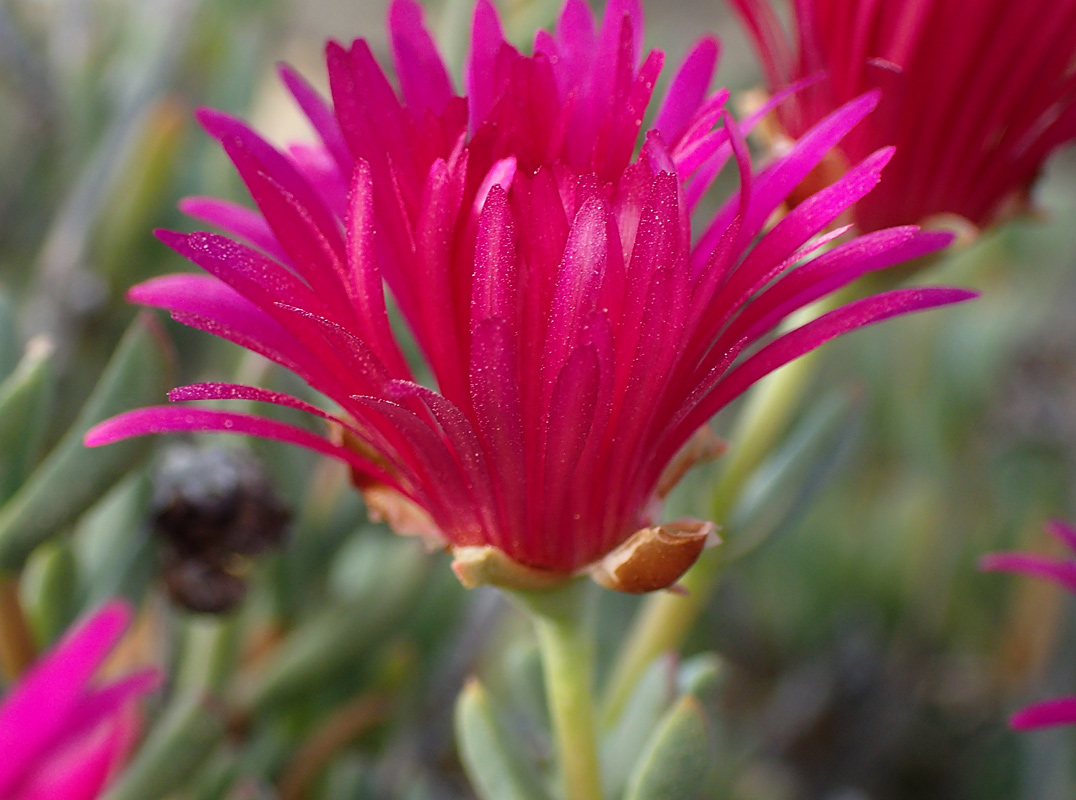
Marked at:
<point>622,746</point>
<point>184,737</point>
<point>783,486</point>
<point>494,765</point>
<point>700,674</point>
<point>337,636</point>
<point>72,478</point>
<point>50,585</point>
<point>25,398</point>
<point>676,759</point>
<point>116,556</point>
<point>9,335</point>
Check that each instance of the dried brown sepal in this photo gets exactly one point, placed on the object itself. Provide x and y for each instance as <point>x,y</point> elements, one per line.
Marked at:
<point>487,566</point>
<point>703,446</point>
<point>654,558</point>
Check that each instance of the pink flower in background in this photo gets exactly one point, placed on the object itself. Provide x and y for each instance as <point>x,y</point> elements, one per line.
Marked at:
<point>578,333</point>
<point>977,94</point>
<point>60,737</point>
<point>1061,711</point>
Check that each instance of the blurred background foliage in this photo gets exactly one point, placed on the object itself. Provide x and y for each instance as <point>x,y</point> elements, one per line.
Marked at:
<point>862,656</point>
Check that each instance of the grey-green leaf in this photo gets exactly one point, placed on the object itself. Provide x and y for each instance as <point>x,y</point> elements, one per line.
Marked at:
<point>625,741</point>
<point>783,486</point>
<point>337,635</point>
<point>701,674</point>
<point>72,477</point>
<point>492,761</point>
<point>9,335</point>
<point>50,584</point>
<point>185,736</point>
<point>677,758</point>
<point>25,398</point>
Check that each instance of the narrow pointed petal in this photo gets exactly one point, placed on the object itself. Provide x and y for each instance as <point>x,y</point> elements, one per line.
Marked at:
<point>174,419</point>
<point>688,89</point>
<point>1063,532</point>
<point>39,706</point>
<point>424,81</point>
<point>1046,714</point>
<point>237,220</point>
<point>1062,573</point>
<point>320,116</point>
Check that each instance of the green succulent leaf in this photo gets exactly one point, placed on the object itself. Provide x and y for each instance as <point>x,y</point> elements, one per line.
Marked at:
<point>491,758</point>
<point>677,758</point>
<point>50,586</point>
<point>72,477</point>
<point>784,485</point>
<point>701,674</point>
<point>9,335</point>
<point>185,736</point>
<point>625,742</point>
<point>337,636</point>
<point>25,398</point>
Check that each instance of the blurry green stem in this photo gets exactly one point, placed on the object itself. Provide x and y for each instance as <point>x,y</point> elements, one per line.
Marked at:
<point>209,654</point>
<point>17,649</point>
<point>666,618</point>
<point>563,620</point>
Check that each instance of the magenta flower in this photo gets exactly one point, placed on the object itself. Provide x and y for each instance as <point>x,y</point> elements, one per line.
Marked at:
<point>545,267</point>
<point>60,737</point>
<point>1061,711</point>
<point>977,94</point>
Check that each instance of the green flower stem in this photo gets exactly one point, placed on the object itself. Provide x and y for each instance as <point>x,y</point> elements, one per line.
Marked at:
<point>209,653</point>
<point>666,618</point>
<point>563,620</point>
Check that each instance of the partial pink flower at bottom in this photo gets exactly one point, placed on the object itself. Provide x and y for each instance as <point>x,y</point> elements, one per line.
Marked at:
<point>1060,711</point>
<point>61,737</point>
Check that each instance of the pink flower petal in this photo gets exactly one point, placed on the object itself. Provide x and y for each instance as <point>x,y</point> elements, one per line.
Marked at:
<point>688,89</point>
<point>1063,532</point>
<point>1046,714</point>
<point>320,116</point>
<point>36,711</point>
<point>235,219</point>
<point>173,419</point>
<point>1062,573</point>
<point>424,81</point>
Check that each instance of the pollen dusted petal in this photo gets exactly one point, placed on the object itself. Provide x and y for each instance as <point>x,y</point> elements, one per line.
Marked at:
<point>688,89</point>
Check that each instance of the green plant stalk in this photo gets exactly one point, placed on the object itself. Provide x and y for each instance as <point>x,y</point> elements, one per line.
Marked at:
<point>564,623</point>
<point>666,619</point>
<point>209,653</point>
